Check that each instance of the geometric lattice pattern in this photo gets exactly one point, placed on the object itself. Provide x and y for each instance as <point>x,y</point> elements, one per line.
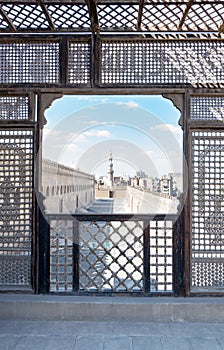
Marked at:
<point>31,62</point>
<point>113,15</point>
<point>14,108</point>
<point>26,16</point>
<point>207,207</point>
<point>111,256</point>
<point>16,186</point>
<point>65,16</point>
<point>79,63</point>
<point>162,16</point>
<point>61,256</point>
<point>208,274</point>
<point>207,108</point>
<point>161,256</point>
<point>117,16</point>
<point>161,62</point>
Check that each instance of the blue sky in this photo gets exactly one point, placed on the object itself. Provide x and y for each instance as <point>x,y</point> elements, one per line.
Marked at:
<point>142,132</point>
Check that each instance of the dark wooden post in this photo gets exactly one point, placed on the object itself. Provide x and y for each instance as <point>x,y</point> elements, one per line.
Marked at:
<point>178,255</point>
<point>75,255</point>
<point>44,249</point>
<point>146,256</point>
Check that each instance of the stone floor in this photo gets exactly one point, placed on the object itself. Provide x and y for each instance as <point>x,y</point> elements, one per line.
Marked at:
<point>67,335</point>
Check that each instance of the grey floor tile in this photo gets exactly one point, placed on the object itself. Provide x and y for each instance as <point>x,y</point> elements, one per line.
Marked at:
<point>205,344</point>
<point>60,343</point>
<point>73,328</point>
<point>17,327</point>
<point>147,343</point>
<point>207,330</point>
<point>89,342</point>
<point>31,343</point>
<point>117,343</point>
<point>141,329</point>
<point>172,343</point>
<point>220,340</point>
<point>8,342</point>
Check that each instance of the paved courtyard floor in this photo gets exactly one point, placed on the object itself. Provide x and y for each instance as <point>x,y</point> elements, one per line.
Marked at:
<point>73,335</point>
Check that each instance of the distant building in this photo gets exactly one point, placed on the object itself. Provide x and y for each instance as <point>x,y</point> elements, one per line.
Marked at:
<point>156,185</point>
<point>141,174</point>
<point>178,181</point>
<point>146,183</point>
<point>166,185</point>
<point>110,172</point>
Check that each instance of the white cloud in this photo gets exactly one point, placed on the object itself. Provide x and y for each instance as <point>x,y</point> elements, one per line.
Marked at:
<point>51,132</point>
<point>90,98</point>
<point>83,137</point>
<point>130,104</point>
<point>97,133</point>
<point>168,127</point>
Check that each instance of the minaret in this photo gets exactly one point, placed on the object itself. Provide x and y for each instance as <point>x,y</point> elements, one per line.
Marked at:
<point>110,171</point>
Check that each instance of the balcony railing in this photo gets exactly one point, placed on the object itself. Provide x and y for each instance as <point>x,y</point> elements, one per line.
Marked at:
<point>114,253</point>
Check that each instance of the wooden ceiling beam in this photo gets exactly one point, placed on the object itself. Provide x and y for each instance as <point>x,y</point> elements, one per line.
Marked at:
<point>46,13</point>
<point>189,5</point>
<point>140,11</point>
<point>93,15</point>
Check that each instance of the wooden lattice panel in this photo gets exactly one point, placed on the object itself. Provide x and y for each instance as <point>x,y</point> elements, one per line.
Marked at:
<point>161,256</point>
<point>16,187</point>
<point>118,16</point>
<point>207,108</point>
<point>89,255</point>
<point>61,256</point>
<point>159,15</point>
<point>26,16</point>
<point>204,17</point>
<point>207,207</point>
<point>162,17</point>
<point>131,62</point>
<point>79,63</point>
<point>111,256</point>
<point>29,62</point>
<point>14,108</point>
<point>68,16</point>
<point>208,274</point>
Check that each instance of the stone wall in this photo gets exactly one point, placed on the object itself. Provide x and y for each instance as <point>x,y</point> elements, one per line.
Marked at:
<point>65,188</point>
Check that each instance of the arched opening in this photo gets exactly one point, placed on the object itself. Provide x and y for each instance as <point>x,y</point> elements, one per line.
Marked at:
<point>125,145</point>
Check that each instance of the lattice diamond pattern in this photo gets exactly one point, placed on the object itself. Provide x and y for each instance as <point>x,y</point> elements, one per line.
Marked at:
<point>207,203</point>
<point>16,186</point>
<point>61,256</point>
<point>111,256</point>
<point>204,17</point>
<point>118,16</point>
<point>14,108</point>
<point>162,17</point>
<point>25,17</point>
<point>207,108</point>
<point>31,62</point>
<point>3,23</point>
<point>79,63</point>
<point>161,256</point>
<point>69,16</point>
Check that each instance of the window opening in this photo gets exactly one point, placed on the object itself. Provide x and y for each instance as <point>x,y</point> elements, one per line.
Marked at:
<point>118,155</point>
